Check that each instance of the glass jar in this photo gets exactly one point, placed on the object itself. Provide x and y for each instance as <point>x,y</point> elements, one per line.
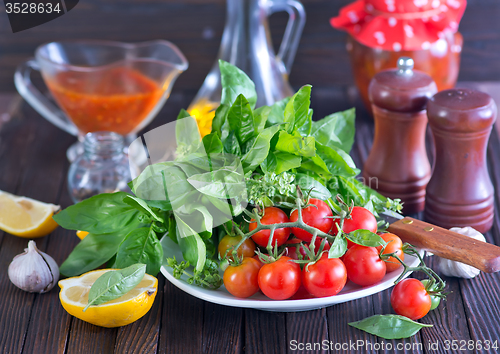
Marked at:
<point>102,168</point>
<point>441,61</point>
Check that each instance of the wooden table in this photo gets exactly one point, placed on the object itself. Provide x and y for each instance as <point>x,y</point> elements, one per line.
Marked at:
<point>33,164</point>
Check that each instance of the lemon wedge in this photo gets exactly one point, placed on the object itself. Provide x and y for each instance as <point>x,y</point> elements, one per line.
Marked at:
<point>81,234</point>
<point>130,307</point>
<point>26,217</point>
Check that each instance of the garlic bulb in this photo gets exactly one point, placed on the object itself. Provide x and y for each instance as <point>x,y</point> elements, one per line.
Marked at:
<point>457,269</point>
<point>33,270</point>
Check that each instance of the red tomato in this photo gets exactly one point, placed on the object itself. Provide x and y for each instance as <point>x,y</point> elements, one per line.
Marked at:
<point>364,266</point>
<point>242,280</point>
<point>361,218</point>
<point>291,251</point>
<point>410,299</point>
<point>271,216</point>
<point>280,280</point>
<point>318,217</point>
<point>247,248</point>
<point>301,294</point>
<point>324,278</point>
<point>394,245</point>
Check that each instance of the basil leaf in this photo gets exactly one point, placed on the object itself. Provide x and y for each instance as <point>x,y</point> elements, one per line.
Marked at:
<point>235,82</point>
<point>187,135</point>
<point>365,238</point>
<point>285,161</point>
<point>296,144</point>
<point>336,130</point>
<point>114,284</point>
<point>306,128</point>
<point>212,143</point>
<point>141,205</point>
<point>307,183</point>
<point>337,161</point>
<point>163,205</point>
<point>192,246</point>
<point>92,252</point>
<point>140,246</point>
<point>100,214</point>
<point>277,113</point>
<point>389,326</point>
<point>297,109</point>
<point>231,144</point>
<point>338,247</point>
<point>259,150</point>
<point>240,118</point>
<point>260,118</point>
<point>223,183</point>
<point>219,119</point>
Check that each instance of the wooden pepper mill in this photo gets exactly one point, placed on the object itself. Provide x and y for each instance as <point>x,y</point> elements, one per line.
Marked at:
<point>397,166</point>
<point>460,192</point>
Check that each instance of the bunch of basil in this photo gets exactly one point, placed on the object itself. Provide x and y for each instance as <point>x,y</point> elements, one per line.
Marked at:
<point>271,144</point>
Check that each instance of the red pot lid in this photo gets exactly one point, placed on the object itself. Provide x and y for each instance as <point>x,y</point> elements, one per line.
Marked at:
<point>399,24</point>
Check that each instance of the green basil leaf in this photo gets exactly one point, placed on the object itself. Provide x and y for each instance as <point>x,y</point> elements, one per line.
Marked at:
<point>223,183</point>
<point>336,130</point>
<point>187,135</point>
<point>297,109</point>
<point>212,143</point>
<point>285,161</point>
<point>338,247</point>
<point>296,144</point>
<point>277,113</point>
<point>337,161</point>
<point>307,183</point>
<point>141,205</point>
<point>163,205</point>
<point>235,82</point>
<point>259,150</point>
<point>231,144</point>
<point>100,214</point>
<point>240,118</point>
<point>365,238</point>
<point>191,244</point>
<point>260,118</point>
<point>140,246</point>
<point>389,326</point>
<point>93,251</point>
<point>306,128</point>
<point>114,284</point>
<point>219,119</point>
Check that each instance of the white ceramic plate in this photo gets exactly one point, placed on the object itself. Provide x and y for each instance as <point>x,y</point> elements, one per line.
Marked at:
<point>259,301</point>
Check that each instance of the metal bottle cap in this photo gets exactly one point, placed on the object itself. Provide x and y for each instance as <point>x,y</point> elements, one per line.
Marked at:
<point>405,66</point>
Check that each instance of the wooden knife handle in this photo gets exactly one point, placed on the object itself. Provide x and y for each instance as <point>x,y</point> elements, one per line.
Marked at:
<point>447,244</point>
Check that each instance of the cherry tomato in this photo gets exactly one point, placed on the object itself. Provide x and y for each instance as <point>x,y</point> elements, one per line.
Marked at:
<point>272,215</point>
<point>435,300</point>
<point>324,278</point>
<point>247,249</point>
<point>319,217</point>
<point>410,299</point>
<point>394,244</point>
<point>291,251</point>
<point>301,294</point>
<point>361,218</point>
<point>364,266</point>
<point>242,280</point>
<point>281,279</point>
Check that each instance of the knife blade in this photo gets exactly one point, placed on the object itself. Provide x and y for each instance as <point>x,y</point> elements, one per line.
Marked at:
<point>444,243</point>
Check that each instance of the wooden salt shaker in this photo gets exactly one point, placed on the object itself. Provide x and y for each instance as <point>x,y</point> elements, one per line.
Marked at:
<point>397,166</point>
<point>460,192</point>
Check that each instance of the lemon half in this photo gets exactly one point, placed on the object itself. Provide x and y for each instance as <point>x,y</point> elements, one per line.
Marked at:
<point>26,217</point>
<point>130,307</point>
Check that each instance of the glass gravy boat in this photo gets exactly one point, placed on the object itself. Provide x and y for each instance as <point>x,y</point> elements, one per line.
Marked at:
<point>101,85</point>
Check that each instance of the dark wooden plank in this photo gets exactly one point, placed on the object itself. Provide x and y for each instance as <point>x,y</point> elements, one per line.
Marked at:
<point>182,322</point>
<point>86,338</point>
<point>307,331</point>
<point>222,329</point>
<point>265,332</point>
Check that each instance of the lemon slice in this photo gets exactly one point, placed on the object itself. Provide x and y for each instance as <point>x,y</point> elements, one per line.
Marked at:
<point>74,296</point>
<point>81,234</point>
<point>26,217</point>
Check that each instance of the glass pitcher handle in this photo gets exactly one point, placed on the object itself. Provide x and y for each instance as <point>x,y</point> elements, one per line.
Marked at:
<point>294,27</point>
<point>37,100</point>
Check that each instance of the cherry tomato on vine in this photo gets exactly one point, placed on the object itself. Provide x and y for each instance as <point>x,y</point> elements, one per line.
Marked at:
<point>410,299</point>
<point>361,219</point>
<point>272,215</point>
<point>324,278</point>
<point>364,266</point>
<point>291,251</point>
<point>394,245</point>
<point>435,300</point>
<point>247,249</point>
<point>319,217</point>
<point>242,280</point>
<point>281,279</point>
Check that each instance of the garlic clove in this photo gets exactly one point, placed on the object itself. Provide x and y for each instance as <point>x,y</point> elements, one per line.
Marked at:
<point>33,270</point>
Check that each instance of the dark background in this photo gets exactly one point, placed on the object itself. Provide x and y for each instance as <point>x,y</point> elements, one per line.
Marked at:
<point>195,26</point>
